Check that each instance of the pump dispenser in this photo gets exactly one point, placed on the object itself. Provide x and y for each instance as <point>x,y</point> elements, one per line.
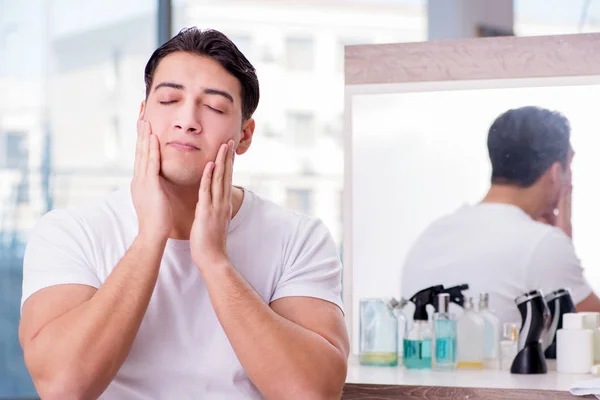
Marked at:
<point>417,340</point>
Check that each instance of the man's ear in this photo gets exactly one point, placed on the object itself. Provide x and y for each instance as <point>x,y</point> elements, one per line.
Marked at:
<point>246,139</point>
<point>142,110</point>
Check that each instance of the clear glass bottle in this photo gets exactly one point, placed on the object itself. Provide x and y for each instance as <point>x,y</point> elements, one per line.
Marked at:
<point>378,338</point>
<point>444,335</point>
<point>509,346</point>
<point>397,309</point>
<point>470,332</point>
<point>491,332</point>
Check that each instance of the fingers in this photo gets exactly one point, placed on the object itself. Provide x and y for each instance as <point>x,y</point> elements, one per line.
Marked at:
<point>219,173</point>
<point>228,179</point>
<point>564,199</point>
<point>138,149</point>
<point>154,156</point>
<point>145,148</point>
<point>204,195</point>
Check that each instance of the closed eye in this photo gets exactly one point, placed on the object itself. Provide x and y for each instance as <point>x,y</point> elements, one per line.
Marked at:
<point>214,109</point>
<point>168,102</point>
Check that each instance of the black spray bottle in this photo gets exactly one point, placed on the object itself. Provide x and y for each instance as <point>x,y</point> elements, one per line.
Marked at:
<point>417,344</point>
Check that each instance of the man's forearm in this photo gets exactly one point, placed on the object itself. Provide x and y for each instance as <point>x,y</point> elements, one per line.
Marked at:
<point>283,359</point>
<point>87,345</point>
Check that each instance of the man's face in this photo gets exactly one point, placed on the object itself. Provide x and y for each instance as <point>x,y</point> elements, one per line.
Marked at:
<point>193,107</point>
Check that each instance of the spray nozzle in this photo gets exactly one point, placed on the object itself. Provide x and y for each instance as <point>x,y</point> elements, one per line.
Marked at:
<point>456,295</point>
<point>397,305</point>
<point>422,298</point>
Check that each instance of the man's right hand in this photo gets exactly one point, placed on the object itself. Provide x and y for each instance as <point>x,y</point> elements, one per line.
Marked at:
<point>152,206</point>
<point>561,216</point>
<point>563,219</point>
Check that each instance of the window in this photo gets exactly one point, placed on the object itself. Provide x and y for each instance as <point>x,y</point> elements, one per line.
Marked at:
<point>23,190</point>
<point>335,129</point>
<point>538,17</point>
<point>299,200</point>
<point>15,150</point>
<point>301,126</point>
<point>16,158</point>
<point>112,140</point>
<point>77,74</point>
<point>243,43</point>
<point>299,54</point>
<point>113,71</point>
<point>341,44</point>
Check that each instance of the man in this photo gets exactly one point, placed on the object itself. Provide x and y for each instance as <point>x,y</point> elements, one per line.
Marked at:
<point>519,237</point>
<point>184,286</point>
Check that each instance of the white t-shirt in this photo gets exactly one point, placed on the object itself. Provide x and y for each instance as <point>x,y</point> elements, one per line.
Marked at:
<point>498,249</point>
<point>181,351</point>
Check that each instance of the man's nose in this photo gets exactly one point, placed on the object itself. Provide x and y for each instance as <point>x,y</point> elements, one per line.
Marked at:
<point>188,121</point>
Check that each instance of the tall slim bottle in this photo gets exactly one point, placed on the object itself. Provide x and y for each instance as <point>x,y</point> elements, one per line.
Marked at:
<point>444,335</point>
<point>492,328</point>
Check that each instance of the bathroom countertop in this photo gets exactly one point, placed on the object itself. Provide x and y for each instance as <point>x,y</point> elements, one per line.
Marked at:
<point>472,384</point>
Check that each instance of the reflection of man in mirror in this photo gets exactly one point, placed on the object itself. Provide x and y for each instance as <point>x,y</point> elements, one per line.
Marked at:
<point>519,237</point>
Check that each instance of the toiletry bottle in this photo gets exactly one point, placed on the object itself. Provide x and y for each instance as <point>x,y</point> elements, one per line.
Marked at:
<point>398,310</point>
<point>417,340</point>
<point>591,320</point>
<point>574,345</point>
<point>470,338</point>
<point>509,346</point>
<point>492,329</point>
<point>378,340</point>
<point>444,335</point>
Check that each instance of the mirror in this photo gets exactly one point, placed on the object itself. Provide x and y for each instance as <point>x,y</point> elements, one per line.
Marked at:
<point>416,122</point>
<point>417,156</point>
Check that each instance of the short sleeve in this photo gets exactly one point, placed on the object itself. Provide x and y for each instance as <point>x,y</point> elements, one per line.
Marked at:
<point>312,266</point>
<point>554,265</point>
<point>58,252</point>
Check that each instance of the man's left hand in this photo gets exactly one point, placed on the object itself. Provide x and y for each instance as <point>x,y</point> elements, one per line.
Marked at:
<point>208,239</point>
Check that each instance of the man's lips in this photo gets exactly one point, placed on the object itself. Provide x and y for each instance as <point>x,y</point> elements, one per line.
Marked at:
<point>183,146</point>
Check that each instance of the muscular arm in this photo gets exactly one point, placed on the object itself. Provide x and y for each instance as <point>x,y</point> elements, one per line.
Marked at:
<point>75,338</point>
<point>554,265</point>
<point>297,348</point>
<point>590,303</point>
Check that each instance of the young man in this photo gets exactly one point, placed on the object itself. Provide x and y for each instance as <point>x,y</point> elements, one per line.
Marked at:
<point>519,238</point>
<point>185,286</point>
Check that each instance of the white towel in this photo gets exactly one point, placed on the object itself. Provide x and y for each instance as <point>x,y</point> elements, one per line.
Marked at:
<point>588,387</point>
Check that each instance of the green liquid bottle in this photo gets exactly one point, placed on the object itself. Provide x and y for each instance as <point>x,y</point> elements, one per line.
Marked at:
<point>444,335</point>
<point>378,341</point>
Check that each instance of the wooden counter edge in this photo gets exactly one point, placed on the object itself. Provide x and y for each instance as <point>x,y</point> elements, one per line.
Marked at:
<point>356,391</point>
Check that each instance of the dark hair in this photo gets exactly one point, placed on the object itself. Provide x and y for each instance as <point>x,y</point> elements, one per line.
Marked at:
<point>524,142</point>
<point>213,44</point>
